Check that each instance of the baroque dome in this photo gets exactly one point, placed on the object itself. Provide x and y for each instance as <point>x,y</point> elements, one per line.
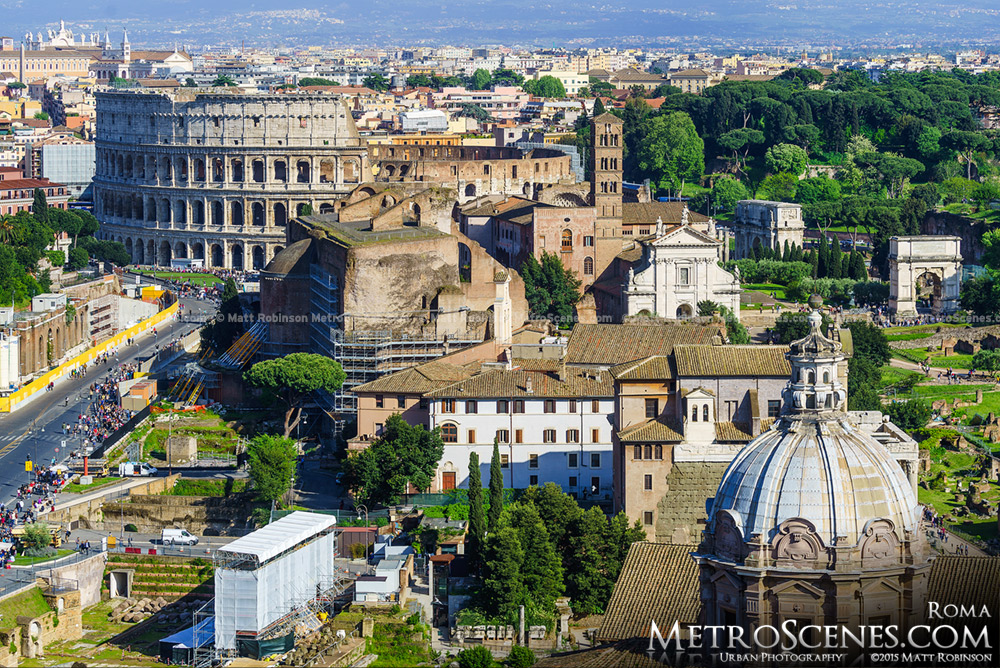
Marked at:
<point>815,464</point>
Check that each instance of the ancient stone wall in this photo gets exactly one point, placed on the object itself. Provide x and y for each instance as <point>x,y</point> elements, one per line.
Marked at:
<point>970,231</point>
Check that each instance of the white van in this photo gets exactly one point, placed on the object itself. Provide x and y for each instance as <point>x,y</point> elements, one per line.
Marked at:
<point>178,537</point>
<point>135,469</point>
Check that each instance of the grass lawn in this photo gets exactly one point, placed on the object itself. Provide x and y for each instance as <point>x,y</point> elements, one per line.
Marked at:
<point>77,488</point>
<point>909,336</point>
<point>29,603</point>
<point>29,561</point>
<point>991,404</point>
<point>193,278</point>
<point>206,487</point>
<point>399,645</point>
<point>950,391</point>
<point>892,375</point>
<point>954,361</point>
<point>968,210</point>
<point>915,355</point>
<point>767,288</point>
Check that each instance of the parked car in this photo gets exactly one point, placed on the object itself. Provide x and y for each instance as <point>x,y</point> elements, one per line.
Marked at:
<point>135,469</point>
<point>178,537</point>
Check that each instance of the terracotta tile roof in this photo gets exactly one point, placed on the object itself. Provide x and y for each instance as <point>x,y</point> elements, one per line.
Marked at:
<point>514,383</point>
<point>650,368</point>
<point>628,74</point>
<point>15,184</point>
<point>608,117</point>
<point>660,430</point>
<point>715,361</point>
<point>624,654</point>
<point>657,582</point>
<point>513,209</point>
<point>748,77</point>
<point>532,364</point>
<point>734,432</point>
<point>607,344</point>
<point>416,380</point>
<point>970,581</point>
<point>633,254</point>
<point>646,213</point>
<point>685,74</point>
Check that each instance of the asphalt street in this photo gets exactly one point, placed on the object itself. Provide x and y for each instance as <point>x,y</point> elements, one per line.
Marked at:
<point>35,429</point>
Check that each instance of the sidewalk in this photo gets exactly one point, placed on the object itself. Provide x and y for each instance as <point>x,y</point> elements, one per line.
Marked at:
<point>114,490</point>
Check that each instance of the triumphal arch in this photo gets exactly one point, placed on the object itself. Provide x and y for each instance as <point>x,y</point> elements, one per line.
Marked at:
<point>925,273</point>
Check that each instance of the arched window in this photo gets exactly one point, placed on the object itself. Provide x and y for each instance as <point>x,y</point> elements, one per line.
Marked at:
<point>637,452</point>
<point>449,433</point>
<point>694,413</point>
<point>588,266</point>
<point>658,452</point>
<point>811,378</point>
<point>567,240</point>
<point>648,452</point>
<point>826,376</point>
<point>704,413</point>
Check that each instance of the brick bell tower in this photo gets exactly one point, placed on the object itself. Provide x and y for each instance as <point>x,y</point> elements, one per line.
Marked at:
<point>606,164</point>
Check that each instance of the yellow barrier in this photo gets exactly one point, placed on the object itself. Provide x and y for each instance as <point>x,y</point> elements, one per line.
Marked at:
<point>7,404</point>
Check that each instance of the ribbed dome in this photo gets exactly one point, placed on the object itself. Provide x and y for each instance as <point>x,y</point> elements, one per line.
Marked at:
<point>826,471</point>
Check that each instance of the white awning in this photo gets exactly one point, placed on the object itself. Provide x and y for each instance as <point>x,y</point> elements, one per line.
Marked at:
<point>277,537</point>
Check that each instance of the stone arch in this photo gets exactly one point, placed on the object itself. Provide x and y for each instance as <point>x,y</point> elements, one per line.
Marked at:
<point>139,252</point>
<point>42,352</point>
<point>684,311</point>
<point>367,190</point>
<point>929,290</point>
<point>388,201</point>
<point>151,252</point>
<point>198,212</point>
<point>257,257</point>
<point>326,207</point>
<point>128,246</point>
<point>180,212</point>
<point>566,239</point>
<point>280,214</point>
<point>470,190</point>
<point>464,263</point>
<point>526,190</point>
<point>128,166</point>
<point>218,256</point>
<point>236,257</point>
<point>164,256</point>
<point>257,169</point>
<point>150,210</point>
<point>588,266</point>
<point>327,171</point>
<point>236,213</point>
<point>197,251</point>
<point>199,170</point>
<point>280,171</point>
<point>403,170</point>
<point>351,171</point>
<point>218,170</point>
<point>120,171</point>
<point>277,249</point>
<point>303,171</point>
<point>165,211</point>
<point>300,209</point>
<point>166,173</point>
<point>180,250</point>
<point>257,214</point>
<point>182,174</point>
<point>237,170</point>
<point>390,171</point>
<point>218,212</point>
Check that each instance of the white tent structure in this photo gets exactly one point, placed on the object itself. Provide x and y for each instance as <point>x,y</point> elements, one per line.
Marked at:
<point>262,578</point>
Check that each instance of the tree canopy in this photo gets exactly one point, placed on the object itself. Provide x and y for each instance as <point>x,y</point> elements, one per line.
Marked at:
<point>293,377</point>
<point>271,466</point>
<point>551,289</point>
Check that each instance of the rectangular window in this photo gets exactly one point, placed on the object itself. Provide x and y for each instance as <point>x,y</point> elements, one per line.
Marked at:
<point>572,435</point>
<point>595,460</point>
<point>503,436</point>
<point>647,482</point>
<point>595,485</point>
<point>572,405</point>
<point>472,436</point>
<point>447,405</point>
<point>572,481</point>
<point>549,436</point>
<point>573,460</point>
<point>401,401</point>
<point>773,409</point>
<point>504,461</point>
<point>519,436</point>
<point>471,406</point>
<point>647,517</point>
<point>378,428</point>
<point>595,406</point>
<point>541,241</point>
<point>588,241</point>
<point>423,403</point>
<point>503,406</point>
<point>550,405</point>
<point>519,405</point>
<point>683,276</point>
<point>532,461</point>
<point>533,480</point>
<point>652,408</point>
<point>379,401</point>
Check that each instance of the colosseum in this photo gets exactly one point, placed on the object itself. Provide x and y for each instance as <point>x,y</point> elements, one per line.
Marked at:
<point>216,175</point>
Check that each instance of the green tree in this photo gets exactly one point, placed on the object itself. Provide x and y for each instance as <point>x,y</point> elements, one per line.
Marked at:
<point>293,378</point>
<point>965,145</point>
<point>502,590</point>
<point>836,261</point>
<point>598,107</point>
<point>317,81</point>
<point>545,86</point>
<point>190,83</point>
<point>41,116</point>
<point>909,415</point>
<point>40,207</point>
<point>496,489</point>
<point>469,110</point>
<point>506,77</point>
<point>271,466</point>
<point>588,582</point>
<point>707,307</point>
<point>520,657</point>
<point>726,192</point>
<point>476,535</point>
<point>376,81</point>
<point>984,194</point>
<point>980,295</point>
<point>779,187</point>
<point>863,379</point>
<point>402,455</point>
<point>987,360</point>
<point>823,253</point>
<point>475,657</point>
<point>78,259</point>
<point>37,536</point>
<point>787,158</point>
<point>926,193</point>
<point>740,142</point>
<point>541,569</point>
<point>551,289</point>
<point>480,80</point>
<point>817,189</point>
<point>794,326</point>
<point>870,343</point>
<point>672,152</point>
<point>223,80</point>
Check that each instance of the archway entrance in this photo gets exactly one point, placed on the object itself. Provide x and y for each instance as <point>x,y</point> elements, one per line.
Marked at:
<point>684,311</point>
<point>928,287</point>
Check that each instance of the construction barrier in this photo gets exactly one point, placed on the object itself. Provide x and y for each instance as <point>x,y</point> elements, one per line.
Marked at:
<point>8,404</point>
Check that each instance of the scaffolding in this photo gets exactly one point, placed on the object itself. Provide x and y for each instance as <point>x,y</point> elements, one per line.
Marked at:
<point>245,347</point>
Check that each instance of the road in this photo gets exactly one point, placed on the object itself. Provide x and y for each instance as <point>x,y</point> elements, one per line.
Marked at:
<point>35,429</point>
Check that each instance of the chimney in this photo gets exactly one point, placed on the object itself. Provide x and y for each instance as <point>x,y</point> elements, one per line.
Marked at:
<point>528,385</point>
<point>562,369</point>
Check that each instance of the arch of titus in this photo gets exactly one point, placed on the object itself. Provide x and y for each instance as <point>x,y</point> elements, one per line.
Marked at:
<point>924,271</point>
<point>216,175</point>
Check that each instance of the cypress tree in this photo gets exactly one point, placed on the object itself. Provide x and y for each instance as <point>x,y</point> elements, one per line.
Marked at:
<point>814,261</point>
<point>835,260</point>
<point>496,489</point>
<point>845,265</point>
<point>786,252</point>
<point>40,207</point>
<point>477,518</point>
<point>858,270</point>
<point>823,258</point>
<point>598,107</point>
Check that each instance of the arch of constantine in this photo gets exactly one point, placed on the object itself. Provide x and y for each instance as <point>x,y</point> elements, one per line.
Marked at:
<point>216,176</point>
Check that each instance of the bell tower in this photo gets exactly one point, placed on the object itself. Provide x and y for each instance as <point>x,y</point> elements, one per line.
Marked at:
<point>606,164</point>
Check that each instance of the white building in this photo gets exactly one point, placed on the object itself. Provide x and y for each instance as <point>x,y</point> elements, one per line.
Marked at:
<point>551,426</point>
<point>679,267</point>
<point>9,368</point>
<point>424,120</point>
<point>571,81</point>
